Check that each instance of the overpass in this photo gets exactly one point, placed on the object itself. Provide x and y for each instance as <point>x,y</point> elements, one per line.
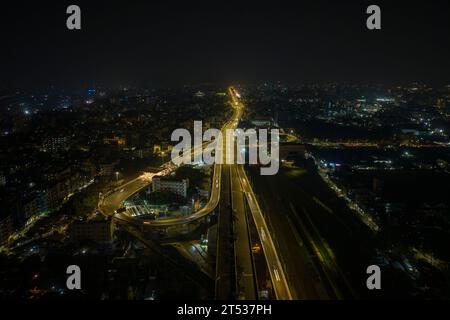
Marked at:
<point>238,180</point>
<point>112,201</point>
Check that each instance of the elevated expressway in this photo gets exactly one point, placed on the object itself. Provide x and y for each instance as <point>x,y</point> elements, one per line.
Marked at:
<point>110,202</point>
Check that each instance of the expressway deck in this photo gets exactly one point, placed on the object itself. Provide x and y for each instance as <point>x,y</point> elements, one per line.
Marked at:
<point>245,277</point>
<point>225,271</point>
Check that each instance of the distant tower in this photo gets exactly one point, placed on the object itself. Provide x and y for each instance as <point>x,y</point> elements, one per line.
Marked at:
<point>440,104</point>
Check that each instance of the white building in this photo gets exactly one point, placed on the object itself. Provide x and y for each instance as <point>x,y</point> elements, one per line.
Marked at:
<point>262,122</point>
<point>165,184</point>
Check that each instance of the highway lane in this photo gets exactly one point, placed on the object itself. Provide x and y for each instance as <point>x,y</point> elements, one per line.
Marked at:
<point>332,244</point>
<point>306,279</point>
<point>114,200</point>
<point>312,265</point>
<point>245,278</point>
<point>275,267</point>
<point>226,280</point>
<point>225,273</point>
<point>277,272</point>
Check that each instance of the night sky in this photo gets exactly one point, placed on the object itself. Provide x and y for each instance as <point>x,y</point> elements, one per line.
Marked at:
<point>172,43</point>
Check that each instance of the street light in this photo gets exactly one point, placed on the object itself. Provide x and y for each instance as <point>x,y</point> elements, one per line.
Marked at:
<point>117,176</point>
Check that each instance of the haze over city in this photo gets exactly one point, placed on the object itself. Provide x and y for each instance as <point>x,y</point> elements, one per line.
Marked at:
<point>166,42</point>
